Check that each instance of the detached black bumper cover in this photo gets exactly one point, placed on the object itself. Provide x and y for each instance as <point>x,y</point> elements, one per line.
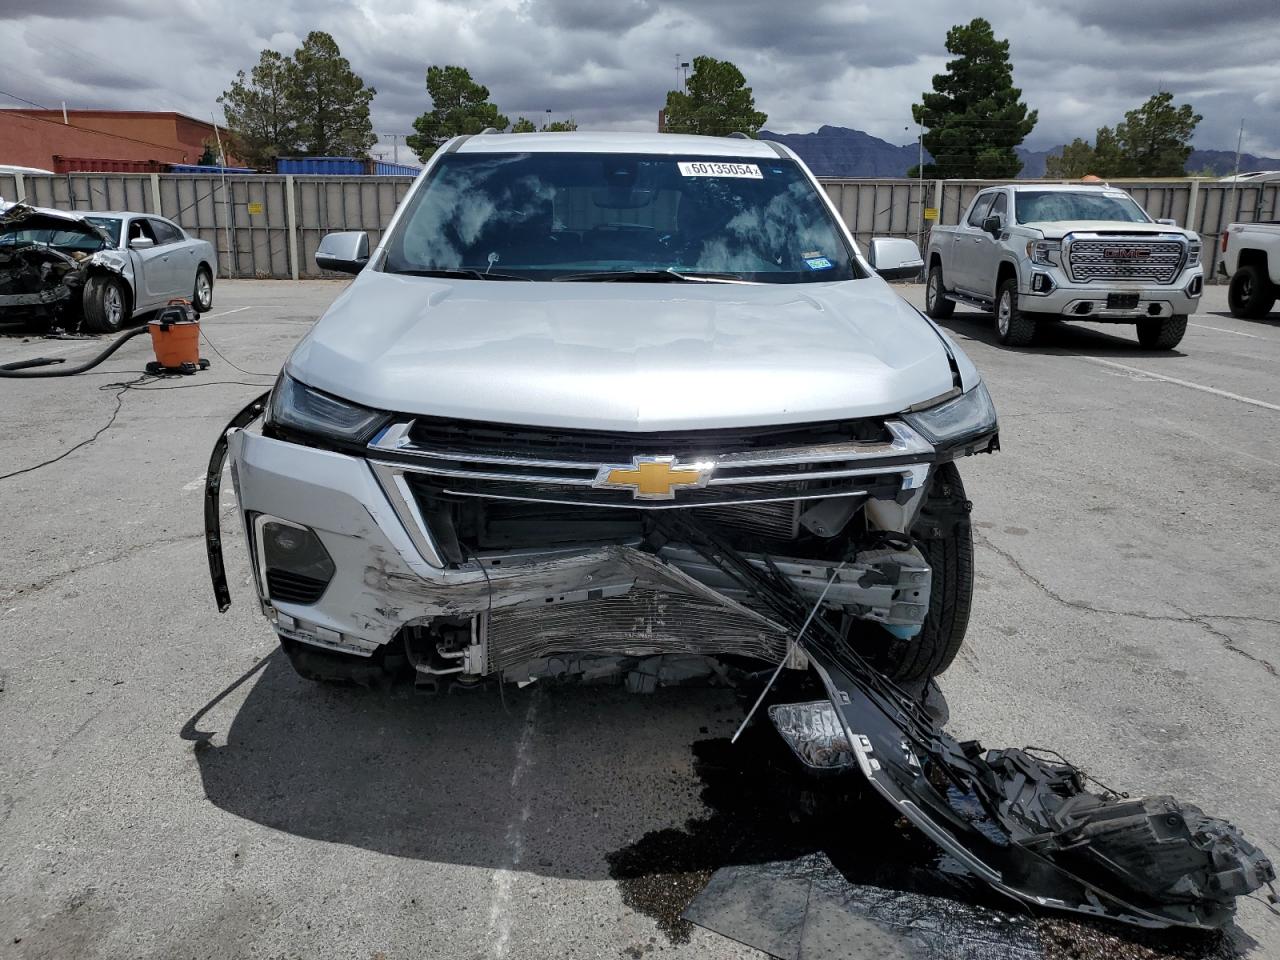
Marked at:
<point>212,499</point>
<point>1024,824</point>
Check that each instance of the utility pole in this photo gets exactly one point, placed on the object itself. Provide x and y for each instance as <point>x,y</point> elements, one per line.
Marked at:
<point>1235,180</point>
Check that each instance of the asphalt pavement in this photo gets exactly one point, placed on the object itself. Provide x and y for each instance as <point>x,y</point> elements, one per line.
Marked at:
<point>168,787</point>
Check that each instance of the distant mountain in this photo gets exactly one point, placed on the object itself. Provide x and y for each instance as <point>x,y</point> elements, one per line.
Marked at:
<point>842,152</point>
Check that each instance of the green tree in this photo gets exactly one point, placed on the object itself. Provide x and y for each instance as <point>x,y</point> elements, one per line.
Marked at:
<point>525,125</point>
<point>716,101</point>
<point>260,113</point>
<point>1152,141</point>
<point>459,105</point>
<point>330,101</point>
<point>974,117</point>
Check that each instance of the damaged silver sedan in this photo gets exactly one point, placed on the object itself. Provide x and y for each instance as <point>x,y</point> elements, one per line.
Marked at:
<point>97,270</point>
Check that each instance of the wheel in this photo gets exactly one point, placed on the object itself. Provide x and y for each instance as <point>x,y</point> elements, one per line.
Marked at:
<point>1162,334</point>
<point>1250,295</point>
<point>945,538</point>
<point>202,296</point>
<point>106,303</point>
<point>1014,327</point>
<point>936,303</point>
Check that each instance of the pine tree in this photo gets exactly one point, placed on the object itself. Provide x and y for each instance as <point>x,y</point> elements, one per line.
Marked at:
<point>716,101</point>
<point>974,117</point>
<point>458,105</point>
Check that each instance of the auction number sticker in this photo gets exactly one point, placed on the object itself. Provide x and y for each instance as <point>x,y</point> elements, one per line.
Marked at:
<point>707,168</point>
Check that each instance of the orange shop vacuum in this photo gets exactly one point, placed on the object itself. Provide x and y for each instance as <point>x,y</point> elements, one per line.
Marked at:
<point>175,337</point>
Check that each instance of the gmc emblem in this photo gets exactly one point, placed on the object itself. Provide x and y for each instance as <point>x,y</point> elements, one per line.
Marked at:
<point>1126,253</point>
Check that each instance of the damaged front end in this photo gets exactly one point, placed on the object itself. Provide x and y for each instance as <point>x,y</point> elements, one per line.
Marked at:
<point>46,258</point>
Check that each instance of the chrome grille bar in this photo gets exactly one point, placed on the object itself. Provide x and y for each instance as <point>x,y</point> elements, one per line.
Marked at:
<point>1096,257</point>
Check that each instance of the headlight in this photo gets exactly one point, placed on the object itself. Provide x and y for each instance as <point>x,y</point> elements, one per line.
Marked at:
<point>971,414</point>
<point>1044,251</point>
<point>1193,252</point>
<point>296,406</point>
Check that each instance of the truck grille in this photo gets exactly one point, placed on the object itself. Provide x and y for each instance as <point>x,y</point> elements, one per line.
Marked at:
<point>1125,258</point>
<point>639,623</point>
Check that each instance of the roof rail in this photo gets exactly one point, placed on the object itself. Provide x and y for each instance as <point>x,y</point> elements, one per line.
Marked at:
<point>739,135</point>
<point>488,130</point>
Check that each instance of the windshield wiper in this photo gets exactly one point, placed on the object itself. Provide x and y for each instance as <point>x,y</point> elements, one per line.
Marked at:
<point>460,273</point>
<point>649,276</point>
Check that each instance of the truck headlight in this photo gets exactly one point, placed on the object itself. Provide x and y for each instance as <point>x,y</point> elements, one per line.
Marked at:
<point>969,415</point>
<point>1044,251</point>
<point>1193,252</point>
<point>295,406</point>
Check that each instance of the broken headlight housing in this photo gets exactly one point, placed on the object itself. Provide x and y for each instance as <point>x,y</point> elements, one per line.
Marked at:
<point>1044,251</point>
<point>954,421</point>
<point>295,406</point>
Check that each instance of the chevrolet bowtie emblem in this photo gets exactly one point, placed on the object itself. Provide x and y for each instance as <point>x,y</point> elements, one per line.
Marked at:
<point>654,478</point>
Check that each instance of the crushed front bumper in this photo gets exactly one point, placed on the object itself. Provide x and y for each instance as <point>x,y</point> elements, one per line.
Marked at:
<point>616,596</point>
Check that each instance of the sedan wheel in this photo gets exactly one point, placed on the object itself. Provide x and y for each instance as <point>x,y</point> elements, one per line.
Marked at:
<point>202,298</point>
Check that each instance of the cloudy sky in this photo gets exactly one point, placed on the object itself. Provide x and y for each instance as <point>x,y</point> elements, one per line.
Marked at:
<point>609,63</point>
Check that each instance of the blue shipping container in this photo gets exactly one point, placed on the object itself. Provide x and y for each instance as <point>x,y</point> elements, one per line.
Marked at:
<point>199,168</point>
<point>330,166</point>
<point>385,168</point>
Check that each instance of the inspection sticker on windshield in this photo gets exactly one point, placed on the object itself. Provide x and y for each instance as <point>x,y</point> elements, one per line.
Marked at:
<point>706,168</point>
<point>818,263</point>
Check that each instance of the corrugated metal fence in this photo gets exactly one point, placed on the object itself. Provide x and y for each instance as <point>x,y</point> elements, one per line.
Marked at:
<point>269,226</point>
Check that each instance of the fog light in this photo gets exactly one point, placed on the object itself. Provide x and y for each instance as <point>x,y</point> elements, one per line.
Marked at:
<point>1195,286</point>
<point>295,566</point>
<point>1041,283</point>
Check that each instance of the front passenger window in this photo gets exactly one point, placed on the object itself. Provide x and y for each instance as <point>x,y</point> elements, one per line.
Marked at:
<point>165,232</point>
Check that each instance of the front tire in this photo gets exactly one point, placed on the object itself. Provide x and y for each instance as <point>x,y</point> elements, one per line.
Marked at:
<point>1013,327</point>
<point>936,304</point>
<point>1250,295</point>
<point>202,295</point>
<point>1162,334</point>
<point>945,538</point>
<point>106,304</point>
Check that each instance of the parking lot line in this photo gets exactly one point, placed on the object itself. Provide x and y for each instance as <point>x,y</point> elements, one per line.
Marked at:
<point>1251,336</point>
<point>1185,383</point>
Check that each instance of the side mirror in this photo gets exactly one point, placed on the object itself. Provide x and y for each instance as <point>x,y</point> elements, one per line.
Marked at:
<point>344,252</point>
<point>141,243</point>
<point>992,225</point>
<point>896,258</point>
<point>1167,221</point>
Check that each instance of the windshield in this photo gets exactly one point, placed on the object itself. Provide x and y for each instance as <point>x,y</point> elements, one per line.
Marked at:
<point>1043,206</point>
<point>109,226</point>
<point>581,215</point>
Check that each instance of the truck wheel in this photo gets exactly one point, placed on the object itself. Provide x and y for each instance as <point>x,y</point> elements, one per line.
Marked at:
<point>106,304</point>
<point>936,304</point>
<point>1015,328</point>
<point>1162,334</point>
<point>945,537</point>
<point>1250,295</point>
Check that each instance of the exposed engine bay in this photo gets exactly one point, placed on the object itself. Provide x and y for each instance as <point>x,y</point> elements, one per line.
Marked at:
<point>46,258</point>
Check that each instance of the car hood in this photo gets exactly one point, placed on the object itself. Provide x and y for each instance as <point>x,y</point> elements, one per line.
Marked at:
<point>633,356</point>
<point>1058,229</point>
<point>15,215</point>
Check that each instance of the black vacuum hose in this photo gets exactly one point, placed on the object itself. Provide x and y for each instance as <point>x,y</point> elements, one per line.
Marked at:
<point>17,368</point>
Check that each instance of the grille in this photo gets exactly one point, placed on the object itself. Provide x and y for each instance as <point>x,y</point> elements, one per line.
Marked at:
<point>1124,258</point>
<point>639,623</point>
<point>293,587</point>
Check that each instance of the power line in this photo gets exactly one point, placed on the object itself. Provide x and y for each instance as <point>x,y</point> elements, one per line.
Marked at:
<point>74,126</point>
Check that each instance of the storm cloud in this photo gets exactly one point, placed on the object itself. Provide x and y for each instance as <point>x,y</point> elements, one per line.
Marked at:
<point>609,63</point>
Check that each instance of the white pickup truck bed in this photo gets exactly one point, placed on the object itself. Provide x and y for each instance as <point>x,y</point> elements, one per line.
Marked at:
<point>1251,258</point>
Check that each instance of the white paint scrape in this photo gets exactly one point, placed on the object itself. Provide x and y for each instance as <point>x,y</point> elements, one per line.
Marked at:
<point>500,919</point>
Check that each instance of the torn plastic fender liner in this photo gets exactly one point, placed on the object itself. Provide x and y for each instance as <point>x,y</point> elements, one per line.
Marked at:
<point>1030,829</point>
<point>212,499</point>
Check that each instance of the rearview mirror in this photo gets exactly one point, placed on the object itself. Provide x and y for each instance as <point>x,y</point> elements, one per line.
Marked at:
<point>141,243</point>
<point>1167,221</point>
<point>345,252</point>
<point>896,258</point>
<point>992,225</point>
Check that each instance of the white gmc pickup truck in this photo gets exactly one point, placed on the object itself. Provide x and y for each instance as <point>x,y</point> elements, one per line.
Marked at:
<point>1039,252</point>
<point>1251,258</point>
